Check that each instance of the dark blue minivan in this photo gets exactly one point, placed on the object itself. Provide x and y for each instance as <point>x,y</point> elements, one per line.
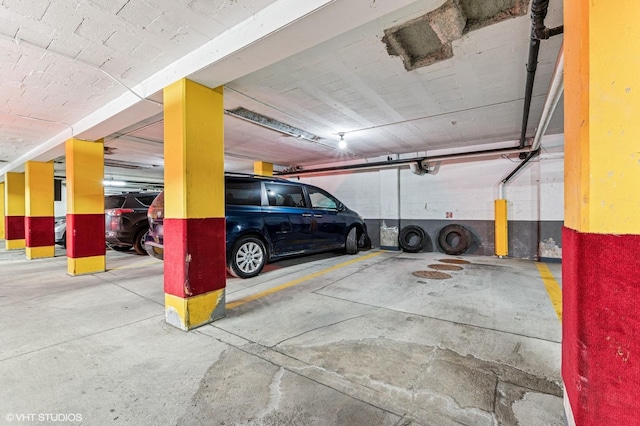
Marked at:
<point>268,218</point>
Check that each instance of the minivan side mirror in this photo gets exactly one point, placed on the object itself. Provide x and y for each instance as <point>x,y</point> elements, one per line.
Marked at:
<point>341,207</point>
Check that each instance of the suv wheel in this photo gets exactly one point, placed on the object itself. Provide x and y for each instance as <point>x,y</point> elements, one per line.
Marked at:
<point>247,258</point>
<point>138,241</point>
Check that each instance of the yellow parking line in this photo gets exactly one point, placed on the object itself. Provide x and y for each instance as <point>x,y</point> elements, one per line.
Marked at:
<point>248,299</point>
<point>553,288</point>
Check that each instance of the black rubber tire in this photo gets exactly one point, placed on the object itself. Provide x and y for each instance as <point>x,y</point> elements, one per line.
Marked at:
<point>454,234</point>
<point>64,240</point>
<point>247,258</point>
<point>351,243</point>
<point>138,241</point>
<point>412,239</point>
<point>120,248</point>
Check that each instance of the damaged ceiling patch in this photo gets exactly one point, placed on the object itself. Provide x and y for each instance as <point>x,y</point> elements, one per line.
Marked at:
<point>426,40</point>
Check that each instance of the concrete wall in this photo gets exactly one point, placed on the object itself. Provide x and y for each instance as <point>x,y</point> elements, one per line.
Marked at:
<point>462,192</point>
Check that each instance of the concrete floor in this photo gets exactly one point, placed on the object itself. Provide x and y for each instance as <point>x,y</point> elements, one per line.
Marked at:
<point>358,341</point>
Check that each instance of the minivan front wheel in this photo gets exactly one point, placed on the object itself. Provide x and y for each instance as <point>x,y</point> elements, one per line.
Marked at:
<point>351,244</point>
<point>247,258</point>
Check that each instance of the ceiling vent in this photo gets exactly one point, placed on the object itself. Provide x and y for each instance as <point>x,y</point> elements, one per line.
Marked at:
<point>426,40</point>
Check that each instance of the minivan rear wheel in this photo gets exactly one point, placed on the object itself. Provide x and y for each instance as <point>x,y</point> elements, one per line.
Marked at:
<point>247,258</point>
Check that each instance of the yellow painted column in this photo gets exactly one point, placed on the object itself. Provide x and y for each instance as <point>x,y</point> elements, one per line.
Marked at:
<point>501,228</point>
<point>39,208</point>
<point>14,210</point>
<point>85,207</point>
<point>194,220</point>
<point>263,168</point>
<point>601,237</point>
<point>2,215</point>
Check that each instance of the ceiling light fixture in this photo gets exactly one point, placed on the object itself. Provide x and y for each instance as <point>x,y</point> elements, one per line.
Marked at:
<point>112,182</point>
<point>342,144</point>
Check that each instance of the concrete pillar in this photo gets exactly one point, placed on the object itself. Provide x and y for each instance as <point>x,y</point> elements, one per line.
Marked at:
<point>263,168</point>
<point>601,237</point>
<point>39,221</point>
<point>14,210</point>
<point>85,207</point>
<point>194,221</point>
<point>2,215</point>
<point>501,227</point>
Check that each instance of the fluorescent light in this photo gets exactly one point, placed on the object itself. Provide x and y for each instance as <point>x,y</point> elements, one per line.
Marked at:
<point>114,183</point>
<point>342,144</point>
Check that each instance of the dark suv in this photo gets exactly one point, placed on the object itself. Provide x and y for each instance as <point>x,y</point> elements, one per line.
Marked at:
<point>270,218</point>
<point>126,221</point>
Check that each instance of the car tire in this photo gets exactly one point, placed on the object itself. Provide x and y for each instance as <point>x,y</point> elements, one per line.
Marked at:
<point>351,243</point>
<point>138,241</point>
<point>247,258</point>
<point>454,234</point>
<point>64,241</point>
<point>412,239</point>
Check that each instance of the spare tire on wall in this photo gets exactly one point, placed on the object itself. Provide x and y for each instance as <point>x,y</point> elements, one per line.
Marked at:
<point>454,239</point>
<point>412,239</point>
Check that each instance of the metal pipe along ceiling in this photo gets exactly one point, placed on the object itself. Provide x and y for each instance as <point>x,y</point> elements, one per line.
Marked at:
<point>538,32</point>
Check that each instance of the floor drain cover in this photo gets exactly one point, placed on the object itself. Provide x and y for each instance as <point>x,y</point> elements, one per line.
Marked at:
<point>457,261</point>
<point>445,267</point>
<point>431,274</point>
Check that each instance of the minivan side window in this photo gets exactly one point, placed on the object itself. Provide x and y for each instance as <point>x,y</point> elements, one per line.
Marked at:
<point>243,193</point>
<point>321,199</point>
<point>285,195</point>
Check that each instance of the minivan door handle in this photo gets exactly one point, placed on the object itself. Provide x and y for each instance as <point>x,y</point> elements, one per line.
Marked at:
<point>306,214</point>
<point>317,215</point>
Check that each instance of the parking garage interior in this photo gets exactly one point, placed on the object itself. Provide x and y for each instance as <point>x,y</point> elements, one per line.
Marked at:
<point>489,147</point>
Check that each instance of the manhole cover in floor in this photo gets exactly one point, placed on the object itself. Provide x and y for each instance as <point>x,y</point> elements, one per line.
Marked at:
<point>457,261</point>
<point>431,274</point>
<point>445,267</point>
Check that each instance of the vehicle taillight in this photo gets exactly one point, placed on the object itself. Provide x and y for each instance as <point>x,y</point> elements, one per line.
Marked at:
<point>115,215</point>
<point>118,212</point>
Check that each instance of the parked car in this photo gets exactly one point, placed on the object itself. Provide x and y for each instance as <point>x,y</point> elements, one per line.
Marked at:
<point>60,230</point>
<point>126,221</point>
<point>269,218</point>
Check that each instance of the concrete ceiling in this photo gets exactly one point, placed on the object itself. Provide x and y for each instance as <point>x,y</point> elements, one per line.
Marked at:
<point>95,69</point>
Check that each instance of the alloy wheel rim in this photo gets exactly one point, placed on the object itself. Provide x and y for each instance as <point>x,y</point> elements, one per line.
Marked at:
<point>249,257</point>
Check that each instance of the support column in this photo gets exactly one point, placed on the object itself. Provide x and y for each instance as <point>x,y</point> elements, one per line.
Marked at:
<point>85,207</point>
<point>263,168</point>
<point>14,210</point>
<point>194,223</point>
<point>39,222</point>
<point>601,237</point>
<point>501,228</point>
<point>2,215</point>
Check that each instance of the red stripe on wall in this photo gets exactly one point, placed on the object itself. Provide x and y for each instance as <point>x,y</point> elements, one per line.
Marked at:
<point>39,231</point>
<point>601,326</point>
<point>85,235</point>
<point>194,256</point>
<point>14,227</point>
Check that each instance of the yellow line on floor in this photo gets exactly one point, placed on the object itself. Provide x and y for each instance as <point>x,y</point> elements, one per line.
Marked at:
<point>253,297</point>
<point>553,288</point>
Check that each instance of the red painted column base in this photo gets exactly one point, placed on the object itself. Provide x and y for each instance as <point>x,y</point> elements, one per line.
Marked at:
<point>194,256</point>
<point>85,235</point>
<point>14,227</point>
<point>39,231</point>
<point>601,327</point>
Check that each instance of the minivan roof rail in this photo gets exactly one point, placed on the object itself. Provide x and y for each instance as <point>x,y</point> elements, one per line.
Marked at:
<point>253,175</point>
